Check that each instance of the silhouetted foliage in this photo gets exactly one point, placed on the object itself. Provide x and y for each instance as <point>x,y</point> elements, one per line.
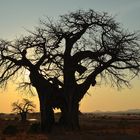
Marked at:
<point>66,57</point>
<point>26,106</point>
<point>34,128</point>
<point>30,56</point>
<point>93,47</point>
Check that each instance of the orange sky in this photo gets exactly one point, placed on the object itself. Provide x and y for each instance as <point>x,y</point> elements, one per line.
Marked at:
<point>105,98</point>
<point>101,98</point>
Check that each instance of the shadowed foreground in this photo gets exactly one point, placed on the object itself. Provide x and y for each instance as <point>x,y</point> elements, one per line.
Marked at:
<point>93,127</point>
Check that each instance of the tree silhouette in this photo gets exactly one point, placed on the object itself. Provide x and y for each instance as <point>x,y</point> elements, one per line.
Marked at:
<point>66,57</point>
<point>31,55</point>
<point>94,47</point>
<point>26,106</point>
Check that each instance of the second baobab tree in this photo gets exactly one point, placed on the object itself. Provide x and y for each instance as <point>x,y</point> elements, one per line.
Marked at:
<point>23,108</point>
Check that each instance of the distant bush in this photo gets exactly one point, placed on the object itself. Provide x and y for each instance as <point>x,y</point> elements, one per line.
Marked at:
<point>10,130</point>
<point>34,128</point>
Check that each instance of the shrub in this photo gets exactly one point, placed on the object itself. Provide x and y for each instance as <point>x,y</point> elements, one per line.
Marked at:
<point>34,128</point>
<point>10,130</point>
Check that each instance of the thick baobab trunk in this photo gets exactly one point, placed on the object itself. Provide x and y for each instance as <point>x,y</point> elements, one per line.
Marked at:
<point>46,115</point>
<point>70,116</point>
<point>72,104</point>
<point>73,97</point>
<point>72,110</point>
<point>44,91</point>
<point>73,116</point>
<point>23,116</point>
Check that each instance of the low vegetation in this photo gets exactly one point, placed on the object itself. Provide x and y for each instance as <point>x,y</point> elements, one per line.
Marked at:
<point>93,126</point>
<point>10,130</point>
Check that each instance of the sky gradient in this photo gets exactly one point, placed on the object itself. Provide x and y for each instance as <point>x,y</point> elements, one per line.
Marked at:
<point>18,15</point>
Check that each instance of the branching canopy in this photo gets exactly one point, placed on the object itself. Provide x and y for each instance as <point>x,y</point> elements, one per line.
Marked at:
<point>97,47</point>
<point>25,106</point>
<point>91,44</point>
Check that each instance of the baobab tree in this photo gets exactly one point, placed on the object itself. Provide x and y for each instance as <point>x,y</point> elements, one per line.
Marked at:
<point>94,47</point>
<point>30,57</point>
<point>65,58</point>
<point>23,108</point>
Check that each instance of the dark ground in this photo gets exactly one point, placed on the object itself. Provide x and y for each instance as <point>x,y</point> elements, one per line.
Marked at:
<point>93,127</point>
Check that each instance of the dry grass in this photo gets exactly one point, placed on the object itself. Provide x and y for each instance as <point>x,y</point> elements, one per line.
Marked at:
<point>93,127</point>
